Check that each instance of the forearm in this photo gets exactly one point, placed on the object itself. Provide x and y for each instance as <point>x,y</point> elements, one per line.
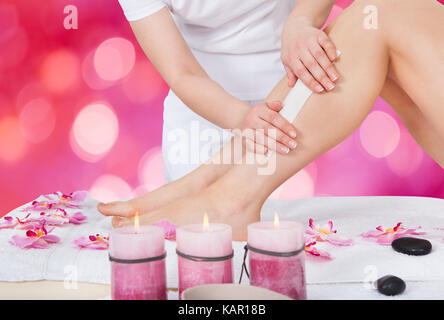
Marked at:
<point>171,56</point>
<point>208,99</point>
<point>306,12</point>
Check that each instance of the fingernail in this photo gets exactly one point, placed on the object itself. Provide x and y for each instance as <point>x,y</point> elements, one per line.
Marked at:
<point>319,89</point>
<point>293,144</point>
<point>334,76</point>
<point>285,150</point>
<point>293,134</point>
<point>330,86</point>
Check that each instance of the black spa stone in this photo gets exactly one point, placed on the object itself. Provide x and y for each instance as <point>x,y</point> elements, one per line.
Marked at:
<point>390,285</point>
<point>412,246</point>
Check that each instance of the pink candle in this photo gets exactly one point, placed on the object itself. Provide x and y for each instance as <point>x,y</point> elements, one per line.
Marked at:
<point>138,263</point>
<point>283,272</point>
<point>204,254</point>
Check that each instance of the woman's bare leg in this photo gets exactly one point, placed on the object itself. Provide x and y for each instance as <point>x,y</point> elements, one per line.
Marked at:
<point>318,132</point>
<point>414,120</point>
<point>188,185</point>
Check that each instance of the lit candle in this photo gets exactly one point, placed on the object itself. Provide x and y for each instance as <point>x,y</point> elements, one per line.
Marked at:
<point>277,257</point>
<point>137,256</point>
<point>204,254</point>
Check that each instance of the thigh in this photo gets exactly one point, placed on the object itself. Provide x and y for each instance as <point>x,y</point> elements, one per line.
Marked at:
<point>415,35</point>
<point>414,120</point>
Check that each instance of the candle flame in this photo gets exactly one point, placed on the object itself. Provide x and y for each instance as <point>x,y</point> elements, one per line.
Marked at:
<point>136,222</point>
<point>206,224</point>
<point>276,221</point>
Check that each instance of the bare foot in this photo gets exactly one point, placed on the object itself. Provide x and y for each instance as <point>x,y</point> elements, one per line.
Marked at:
<point>154,200</point>
<point>221,205</point>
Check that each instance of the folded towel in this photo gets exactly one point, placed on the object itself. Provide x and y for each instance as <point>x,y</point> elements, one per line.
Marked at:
<point>365,260</point>
<point>351,216</point>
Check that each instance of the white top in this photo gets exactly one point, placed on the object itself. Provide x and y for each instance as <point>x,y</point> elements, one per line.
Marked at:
<point>237,42</point>
<point>224,26</point>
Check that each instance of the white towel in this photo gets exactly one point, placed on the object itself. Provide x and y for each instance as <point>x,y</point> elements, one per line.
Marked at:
<point>64,261</point>
<point>351,216</point>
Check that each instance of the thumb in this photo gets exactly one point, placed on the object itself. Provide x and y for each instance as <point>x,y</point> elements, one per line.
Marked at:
<point>290,76</point>
<point>275,105</point>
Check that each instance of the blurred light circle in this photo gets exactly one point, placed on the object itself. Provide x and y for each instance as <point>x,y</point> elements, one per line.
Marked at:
<point>114,58</point>
<point>109,188</point>
<point>37,120</point>
<point>30,91</point>
<point>143,83</point>
<point>12,143</point>
<point>300,185</point>
<point>379,134</point>
<point>407,157</point>
<point>151,169</point>
<point>60,71</point>
<point>94,132</point>
<point>90,76</point>
<point>140,191</point>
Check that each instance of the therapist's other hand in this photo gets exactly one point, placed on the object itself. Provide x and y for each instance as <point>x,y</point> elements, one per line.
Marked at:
<point>308,54</point>
<point>269,130</point>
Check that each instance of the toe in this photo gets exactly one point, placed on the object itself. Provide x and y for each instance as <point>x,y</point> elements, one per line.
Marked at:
<point>117,222</point>
<point>122,209</point>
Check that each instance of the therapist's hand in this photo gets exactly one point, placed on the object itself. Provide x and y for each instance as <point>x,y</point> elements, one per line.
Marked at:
<point>270,131</point>
<point>308,54</point>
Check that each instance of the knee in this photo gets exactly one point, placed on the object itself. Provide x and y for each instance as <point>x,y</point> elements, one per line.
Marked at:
<point>379,4</point>
<point>364,14</point>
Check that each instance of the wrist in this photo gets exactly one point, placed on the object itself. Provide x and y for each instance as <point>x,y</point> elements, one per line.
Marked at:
<point>241,113</point>
<point>300,21</point>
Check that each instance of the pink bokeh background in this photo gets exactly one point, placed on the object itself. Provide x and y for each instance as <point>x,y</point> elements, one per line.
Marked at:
<point>82,109</point>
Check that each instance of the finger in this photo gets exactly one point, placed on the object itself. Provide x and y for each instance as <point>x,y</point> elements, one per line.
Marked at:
<point>328,46</point>
<point>271,142</point>
<point>255,147</point>
<point>118,208</point>
<point>279,122</point>
<point>305,76</point>
<point>323,60</point>
<point>290,76</point>
<point>317,72</point>
<point>277,140</point>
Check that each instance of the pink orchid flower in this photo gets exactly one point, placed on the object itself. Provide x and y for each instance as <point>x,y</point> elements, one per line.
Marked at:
<point>38,238</point>
<point>312,250</point>
<point>57,200</point>
<point>326,234</point>
<point>77,218</point>
<point>386,236</point>
<point>8,222</point>
<point>54,219</point>
<point>27,223</point>
<point>168,228</point>
<point>95,242</point>
<point>61,217</point>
